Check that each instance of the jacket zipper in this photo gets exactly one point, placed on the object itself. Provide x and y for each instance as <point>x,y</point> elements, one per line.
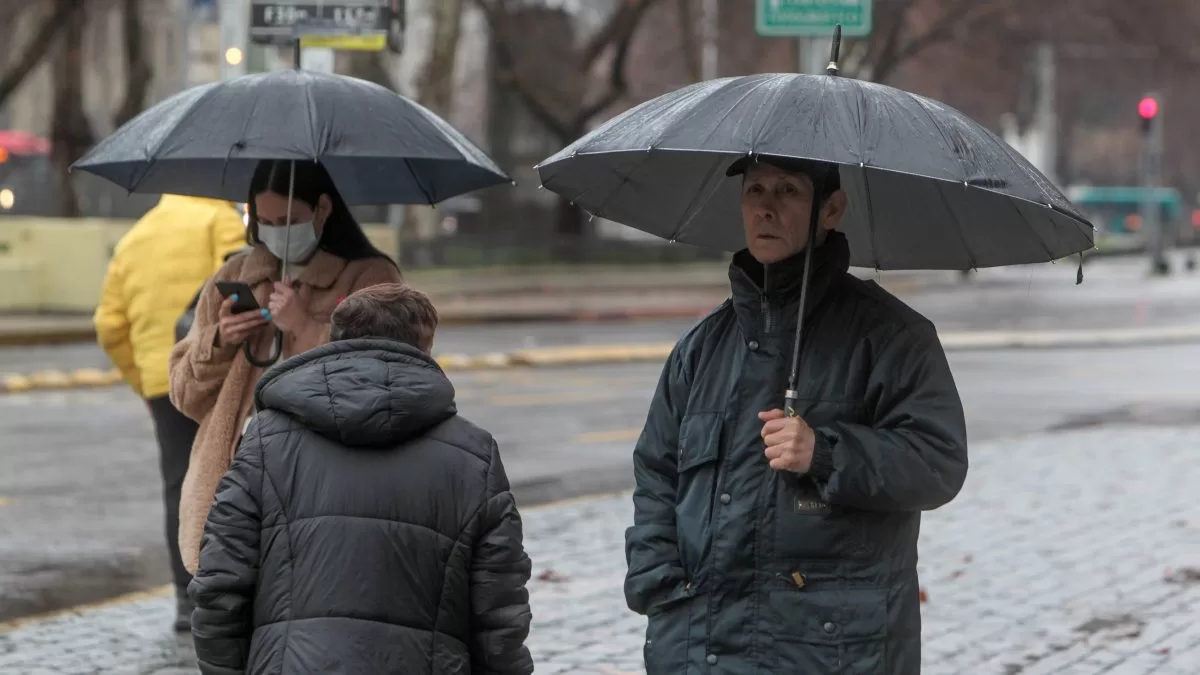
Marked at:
<point>765,307</point>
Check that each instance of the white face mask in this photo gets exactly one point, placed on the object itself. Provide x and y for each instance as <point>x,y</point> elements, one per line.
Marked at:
<point>295,247</point>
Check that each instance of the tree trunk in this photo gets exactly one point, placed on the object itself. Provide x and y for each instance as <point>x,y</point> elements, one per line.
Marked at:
<point>37,47</point>
<point>572,229</point>
<point>138,71</point>
<point>71,132</point>
<point>436,92</point>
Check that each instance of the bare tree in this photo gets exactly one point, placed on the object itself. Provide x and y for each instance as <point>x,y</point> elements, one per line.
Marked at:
<point>435,90</point>
<point>37,47</point>
<point>71,132</point>
<point>688,29</point>
<point>559,90</point>
<point>138,71</point>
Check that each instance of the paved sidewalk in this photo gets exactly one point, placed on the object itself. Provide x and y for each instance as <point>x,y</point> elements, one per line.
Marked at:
<point>1066,553</point>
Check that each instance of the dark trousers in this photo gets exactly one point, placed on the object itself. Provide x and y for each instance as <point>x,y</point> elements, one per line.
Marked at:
<point>175,432</point>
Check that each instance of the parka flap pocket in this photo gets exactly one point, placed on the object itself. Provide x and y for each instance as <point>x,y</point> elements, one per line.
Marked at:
<point>830,617</point>
<point>699,440</point>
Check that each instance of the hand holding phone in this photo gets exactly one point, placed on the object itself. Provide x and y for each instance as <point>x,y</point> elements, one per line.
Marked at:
<point>240,315</point>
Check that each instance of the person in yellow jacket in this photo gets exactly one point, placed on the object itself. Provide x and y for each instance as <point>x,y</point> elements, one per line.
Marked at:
<point>156,269</point>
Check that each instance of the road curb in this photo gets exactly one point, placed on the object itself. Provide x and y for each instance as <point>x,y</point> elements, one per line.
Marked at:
<point>551,357</point>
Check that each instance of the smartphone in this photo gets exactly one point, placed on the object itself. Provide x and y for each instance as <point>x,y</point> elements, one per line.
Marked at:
<point>246,301</point>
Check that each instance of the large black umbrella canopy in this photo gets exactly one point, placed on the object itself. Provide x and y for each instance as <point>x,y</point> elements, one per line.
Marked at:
<point>928,187</point>
<point>378,146</point>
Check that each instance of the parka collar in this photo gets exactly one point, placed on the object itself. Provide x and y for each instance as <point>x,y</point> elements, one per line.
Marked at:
<point>775,288</point>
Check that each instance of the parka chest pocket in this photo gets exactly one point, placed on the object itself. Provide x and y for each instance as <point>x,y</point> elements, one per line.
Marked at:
<point>695,487</point>
<point>805,527</point>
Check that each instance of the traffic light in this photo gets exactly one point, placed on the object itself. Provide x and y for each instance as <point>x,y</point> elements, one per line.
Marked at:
<point>1148,111</point>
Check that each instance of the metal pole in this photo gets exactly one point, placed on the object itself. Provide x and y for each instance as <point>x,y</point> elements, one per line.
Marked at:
<point>234,18</point>
<point>709,64</point>
<point>1047,118</point>
<point>185,44</point>
<point>1151,210</point>
<point>814,55</point>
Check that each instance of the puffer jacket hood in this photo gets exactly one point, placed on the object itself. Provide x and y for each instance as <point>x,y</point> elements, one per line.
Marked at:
<point>364,393</point>
<point>363,527</point>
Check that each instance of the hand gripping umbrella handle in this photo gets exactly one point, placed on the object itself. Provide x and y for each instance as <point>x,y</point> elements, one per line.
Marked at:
<point>276,351</point>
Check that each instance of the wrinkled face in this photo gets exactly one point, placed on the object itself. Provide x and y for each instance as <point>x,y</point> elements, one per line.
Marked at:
<point>776,207</point>
<point>271,209</point>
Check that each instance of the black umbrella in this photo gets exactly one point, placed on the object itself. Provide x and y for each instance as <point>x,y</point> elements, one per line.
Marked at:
<point>378,146</point>
<point>928,188</point>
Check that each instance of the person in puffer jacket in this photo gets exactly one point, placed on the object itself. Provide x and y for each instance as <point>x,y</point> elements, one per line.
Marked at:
<point>363,527</point>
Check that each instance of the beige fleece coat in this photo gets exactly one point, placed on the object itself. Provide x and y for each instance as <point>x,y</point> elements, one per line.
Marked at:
<point>214,385</point>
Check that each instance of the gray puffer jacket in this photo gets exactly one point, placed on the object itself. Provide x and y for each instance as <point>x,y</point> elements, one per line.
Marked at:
<point>364,527</point>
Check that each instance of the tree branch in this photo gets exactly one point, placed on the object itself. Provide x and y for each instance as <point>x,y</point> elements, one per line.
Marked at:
<point>138,71</point>
<point>507,71</point>
<point>36,49</point>
<point>617,83</point>
<point>622,21</point>
<point>687,33</point>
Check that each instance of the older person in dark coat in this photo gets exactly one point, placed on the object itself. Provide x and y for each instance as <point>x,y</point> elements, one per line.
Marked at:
<point>764,543</point>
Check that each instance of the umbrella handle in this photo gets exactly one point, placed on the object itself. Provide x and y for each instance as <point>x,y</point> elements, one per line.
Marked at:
<point>276,352</point>
<point>791,401</point>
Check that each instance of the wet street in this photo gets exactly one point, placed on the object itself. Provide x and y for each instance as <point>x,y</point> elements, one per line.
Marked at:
<point>80,513</point>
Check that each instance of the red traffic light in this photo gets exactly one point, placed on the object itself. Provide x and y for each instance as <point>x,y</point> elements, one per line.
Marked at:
<point>1148,108</point>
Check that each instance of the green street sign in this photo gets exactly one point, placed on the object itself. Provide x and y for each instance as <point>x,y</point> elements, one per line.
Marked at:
<point>812,18</point>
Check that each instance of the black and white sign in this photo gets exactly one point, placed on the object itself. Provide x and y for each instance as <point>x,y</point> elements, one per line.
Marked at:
<point>275,22</point>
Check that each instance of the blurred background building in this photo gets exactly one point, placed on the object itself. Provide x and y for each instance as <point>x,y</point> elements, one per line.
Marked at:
<point>1059,81</point>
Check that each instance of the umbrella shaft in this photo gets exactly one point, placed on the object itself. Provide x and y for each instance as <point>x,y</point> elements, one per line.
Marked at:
<point>792,394</point>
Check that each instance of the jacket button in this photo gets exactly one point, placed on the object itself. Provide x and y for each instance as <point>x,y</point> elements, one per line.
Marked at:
<point>712,659</point>
<point>725,498</point>
<point>752,345</point>
<point>829,627</point>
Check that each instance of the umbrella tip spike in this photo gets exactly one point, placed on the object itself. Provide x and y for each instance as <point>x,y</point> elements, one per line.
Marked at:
<point>835,51</point>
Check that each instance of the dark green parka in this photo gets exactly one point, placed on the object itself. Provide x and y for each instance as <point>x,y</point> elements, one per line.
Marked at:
<point>743,569</point>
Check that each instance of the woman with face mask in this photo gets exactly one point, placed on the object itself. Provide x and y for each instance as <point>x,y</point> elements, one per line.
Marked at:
<point>328,257</point>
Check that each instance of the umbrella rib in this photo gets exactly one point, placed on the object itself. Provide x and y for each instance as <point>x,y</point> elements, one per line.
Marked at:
<point>625,178</point>
<point>686,219</point>
<point>719,122</point>
<point>412,172</point>
<point>871,218</point>
<point>1036,236</point>
<point>941,186</point>
<point>311,110</point>
<point>1007,149</point>
<point>150,158</point>
<point>757,133</point>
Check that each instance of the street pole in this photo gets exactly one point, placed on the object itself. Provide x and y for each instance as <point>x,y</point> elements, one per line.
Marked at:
<point>1047,117</point>
<point>185,43</point>
<point>1151,211</point>
<point>814,55</point>
<point>710,51</point>
<point>234,17</point>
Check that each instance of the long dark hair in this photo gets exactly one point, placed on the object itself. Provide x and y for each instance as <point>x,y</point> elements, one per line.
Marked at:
<point>342,235</point>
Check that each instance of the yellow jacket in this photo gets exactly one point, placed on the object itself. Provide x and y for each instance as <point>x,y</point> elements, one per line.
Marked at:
<point>156,269</point>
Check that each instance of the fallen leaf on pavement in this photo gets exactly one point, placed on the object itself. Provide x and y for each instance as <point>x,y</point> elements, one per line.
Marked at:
<point>957,573</point>
<point>924,596</point>
<point>967,559</point>
<point>552,577</point>
<point>1183,575</point>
